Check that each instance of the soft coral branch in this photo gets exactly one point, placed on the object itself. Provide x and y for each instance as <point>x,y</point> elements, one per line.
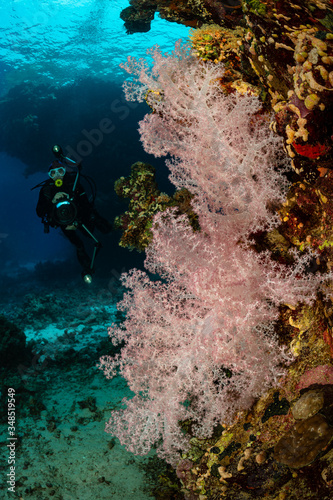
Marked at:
<point>199,342</point>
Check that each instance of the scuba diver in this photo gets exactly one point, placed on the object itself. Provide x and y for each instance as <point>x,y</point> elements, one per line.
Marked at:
<point>64,203</point>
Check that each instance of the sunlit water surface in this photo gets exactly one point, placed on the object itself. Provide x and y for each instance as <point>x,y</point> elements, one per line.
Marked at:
<point>58,41</point>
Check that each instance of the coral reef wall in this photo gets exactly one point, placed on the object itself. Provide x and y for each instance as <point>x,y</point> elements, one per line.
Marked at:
<point>228,348</point>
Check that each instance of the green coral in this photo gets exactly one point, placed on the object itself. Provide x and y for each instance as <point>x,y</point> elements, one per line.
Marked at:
<point>326,244</point>
<point>256,7</point>
<point>216,43</point>
<point>145,201</point>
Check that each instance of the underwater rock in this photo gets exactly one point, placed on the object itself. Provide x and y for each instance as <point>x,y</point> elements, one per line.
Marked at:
<point>308,405</point>
<point>137,20</point>
<point>304,442</point>
<point>140,13</point>
<point>215,43</point>
<point>327,475</point>
<point>13,348</point>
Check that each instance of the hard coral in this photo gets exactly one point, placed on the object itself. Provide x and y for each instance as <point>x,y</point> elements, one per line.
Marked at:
<point>306,217</point>
<point>290,48</point>
<point>145,201</point>
<point>305,119</point>
<point>220,44</point>
<point>215,43</point>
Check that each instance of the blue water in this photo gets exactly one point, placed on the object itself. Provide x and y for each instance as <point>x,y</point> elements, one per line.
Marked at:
<point>21,231</point>
<point>58,41</point>
<point>57,44</point>
<point>59,80</point>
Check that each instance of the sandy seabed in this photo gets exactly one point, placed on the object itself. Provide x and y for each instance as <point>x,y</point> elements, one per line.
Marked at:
<point>62,404</point>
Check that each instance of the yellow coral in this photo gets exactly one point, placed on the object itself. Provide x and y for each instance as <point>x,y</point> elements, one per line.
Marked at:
<point>214,43</point>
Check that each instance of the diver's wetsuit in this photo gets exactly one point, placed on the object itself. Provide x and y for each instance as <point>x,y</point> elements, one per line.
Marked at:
<point>86,214</point>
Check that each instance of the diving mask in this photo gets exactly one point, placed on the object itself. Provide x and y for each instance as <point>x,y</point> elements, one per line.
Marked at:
<point>57,172</point>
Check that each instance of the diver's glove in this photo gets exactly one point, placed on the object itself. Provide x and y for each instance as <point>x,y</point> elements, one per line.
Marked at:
<point>60,196</point>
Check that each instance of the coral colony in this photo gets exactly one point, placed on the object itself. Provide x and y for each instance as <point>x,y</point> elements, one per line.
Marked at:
<point>228,335</point>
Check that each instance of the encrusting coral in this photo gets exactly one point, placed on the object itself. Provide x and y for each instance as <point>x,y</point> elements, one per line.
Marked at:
<point>145,201</point>
<point>194,13</point>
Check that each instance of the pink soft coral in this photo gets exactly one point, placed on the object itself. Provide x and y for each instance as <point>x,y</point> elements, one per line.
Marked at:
<point>222,148</point>
<point>199,342</point>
